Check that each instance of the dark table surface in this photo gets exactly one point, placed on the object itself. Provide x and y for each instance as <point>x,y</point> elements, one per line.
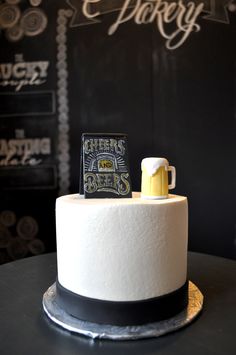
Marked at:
<point>26,330</point>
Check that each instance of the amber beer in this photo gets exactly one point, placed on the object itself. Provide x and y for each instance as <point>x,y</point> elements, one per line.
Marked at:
<point>155,183</point>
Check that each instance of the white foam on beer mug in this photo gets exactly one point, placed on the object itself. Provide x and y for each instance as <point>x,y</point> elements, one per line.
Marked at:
<point>151,165</point>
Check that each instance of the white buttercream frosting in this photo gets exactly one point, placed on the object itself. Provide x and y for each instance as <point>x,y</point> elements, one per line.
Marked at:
<point>121,249</point>
<point>151,165</point>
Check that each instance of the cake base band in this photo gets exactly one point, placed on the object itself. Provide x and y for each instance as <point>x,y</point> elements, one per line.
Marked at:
<point>122,313</point>
<point>103,331</point>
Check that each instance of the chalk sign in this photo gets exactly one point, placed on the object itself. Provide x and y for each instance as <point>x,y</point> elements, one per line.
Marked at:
<point>104,166</point>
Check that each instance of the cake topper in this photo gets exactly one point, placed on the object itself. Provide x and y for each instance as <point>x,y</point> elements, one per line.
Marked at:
<point>104,168</point>
<point>155,178</point>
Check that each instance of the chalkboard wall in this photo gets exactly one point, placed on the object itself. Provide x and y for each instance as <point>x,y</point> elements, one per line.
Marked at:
<point>61,76</point>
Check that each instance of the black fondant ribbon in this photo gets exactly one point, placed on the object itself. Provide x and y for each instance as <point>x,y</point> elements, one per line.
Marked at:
<point>122,313</point>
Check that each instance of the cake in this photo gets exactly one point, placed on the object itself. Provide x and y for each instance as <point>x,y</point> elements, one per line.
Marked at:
<point>122,261</point>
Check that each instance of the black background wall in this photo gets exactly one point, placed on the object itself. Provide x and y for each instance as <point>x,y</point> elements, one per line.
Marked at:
<point>178,103</point>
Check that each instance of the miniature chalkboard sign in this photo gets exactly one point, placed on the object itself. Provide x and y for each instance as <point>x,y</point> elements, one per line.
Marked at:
<point>104,168</point>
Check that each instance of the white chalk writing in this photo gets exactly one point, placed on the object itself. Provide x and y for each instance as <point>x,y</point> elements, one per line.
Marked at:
<point>20,74</point>
<point>25,151</point>
<point>163,13</point>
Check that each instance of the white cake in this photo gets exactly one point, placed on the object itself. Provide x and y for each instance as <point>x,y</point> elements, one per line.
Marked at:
<point>121,251</point>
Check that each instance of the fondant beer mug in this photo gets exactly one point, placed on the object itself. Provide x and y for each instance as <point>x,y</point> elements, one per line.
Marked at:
<point>155,184</point>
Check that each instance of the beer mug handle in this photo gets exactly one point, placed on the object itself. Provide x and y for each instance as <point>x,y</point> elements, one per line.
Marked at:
<point>173,177</point>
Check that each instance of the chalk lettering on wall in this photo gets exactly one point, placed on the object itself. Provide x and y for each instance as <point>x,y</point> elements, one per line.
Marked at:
<point>21,73</point>
<point>162,13</point>
<point>183,14</point>
<point>22,151</point>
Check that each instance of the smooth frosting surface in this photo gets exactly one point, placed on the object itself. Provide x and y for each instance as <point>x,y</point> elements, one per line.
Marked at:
<point>121,249</point>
